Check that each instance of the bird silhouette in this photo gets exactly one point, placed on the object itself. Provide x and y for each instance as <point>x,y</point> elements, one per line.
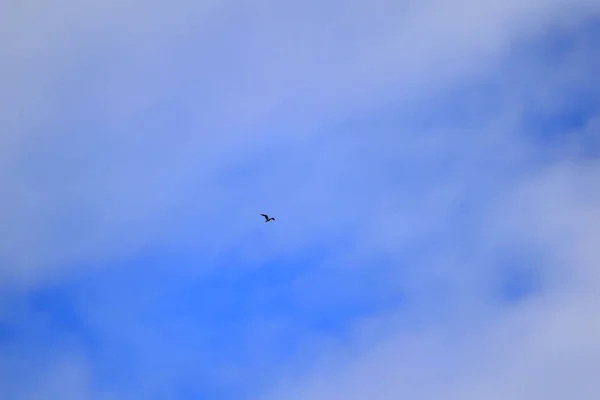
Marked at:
<point>267,219</point>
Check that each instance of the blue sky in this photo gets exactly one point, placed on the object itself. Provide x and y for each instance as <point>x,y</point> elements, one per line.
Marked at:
<point>433,168</point>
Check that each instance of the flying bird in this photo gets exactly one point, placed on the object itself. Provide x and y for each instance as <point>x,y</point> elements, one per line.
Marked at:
<point>267,219</point>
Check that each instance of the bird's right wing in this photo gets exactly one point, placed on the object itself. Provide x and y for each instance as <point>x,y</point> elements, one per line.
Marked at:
<point>266,216</point>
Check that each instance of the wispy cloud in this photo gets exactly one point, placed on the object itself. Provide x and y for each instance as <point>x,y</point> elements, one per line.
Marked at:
<point>431,165</point>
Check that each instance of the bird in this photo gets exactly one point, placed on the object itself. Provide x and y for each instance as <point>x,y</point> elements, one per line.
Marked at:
<point>267,219</point>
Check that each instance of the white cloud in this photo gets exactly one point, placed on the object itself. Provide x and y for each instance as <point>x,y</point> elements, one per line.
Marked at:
<point>81,80</point>
<point>247,97</point>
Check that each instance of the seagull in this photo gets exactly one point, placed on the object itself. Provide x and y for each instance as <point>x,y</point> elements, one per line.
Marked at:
<point>267,219</point>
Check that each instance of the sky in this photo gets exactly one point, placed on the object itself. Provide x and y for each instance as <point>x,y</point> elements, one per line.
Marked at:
<point>433,168</point>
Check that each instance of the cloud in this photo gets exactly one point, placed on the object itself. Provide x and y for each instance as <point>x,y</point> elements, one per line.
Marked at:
<point>119,129</point>
<point>413,146</point>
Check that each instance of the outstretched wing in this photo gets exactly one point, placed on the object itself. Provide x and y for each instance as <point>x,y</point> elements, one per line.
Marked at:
<point>265,215</point>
